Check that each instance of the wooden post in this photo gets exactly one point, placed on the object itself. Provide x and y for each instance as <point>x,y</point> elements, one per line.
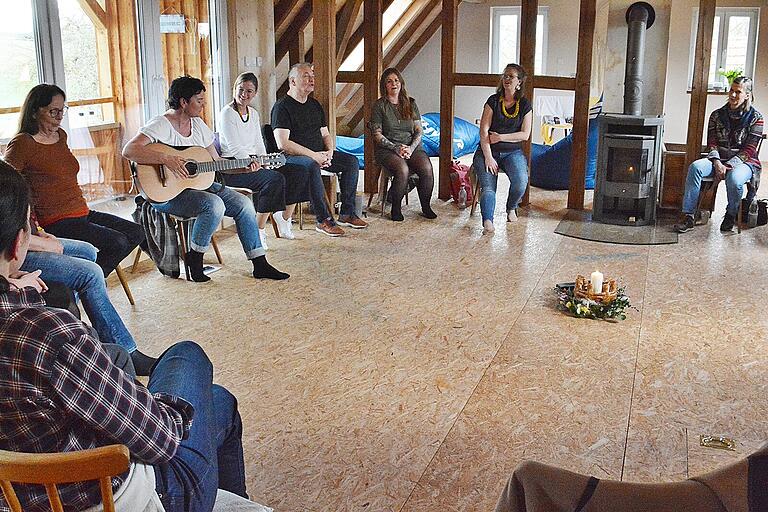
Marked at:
<point>372,12</point>
<point>529,17</point>
<point>324,44</point>
<point>581,104</point>
<point>298,50</point>
<point>447,70</point>
<point>698,109</point>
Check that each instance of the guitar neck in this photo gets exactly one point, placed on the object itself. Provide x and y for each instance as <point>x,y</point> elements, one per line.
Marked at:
<point>224,165</point>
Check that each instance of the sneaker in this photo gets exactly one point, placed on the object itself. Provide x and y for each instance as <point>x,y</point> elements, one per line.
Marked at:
<point>512,216</point>
<point>352,221</point>
<point>263,238</point>
<point>488,228</point>
<point>685,226</point>
<point>328,227</point>
<point>283,226</point>
<point>728,222</point>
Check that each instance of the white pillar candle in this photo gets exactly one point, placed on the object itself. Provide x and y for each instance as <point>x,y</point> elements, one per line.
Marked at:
<point>597,282</point>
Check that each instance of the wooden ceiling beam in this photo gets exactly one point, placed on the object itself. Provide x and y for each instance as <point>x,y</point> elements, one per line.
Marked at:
<point>299,23</point>
<point>285,12</point>
<point>345,23</point>
<point>418,31</point>
<point>95,13</point>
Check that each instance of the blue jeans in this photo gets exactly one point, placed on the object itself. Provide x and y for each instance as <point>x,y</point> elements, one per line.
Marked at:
<point>734,184</point>
<point>515,165</point>
<point>212,456</point>
<point>342,164</point>
<point>210,206</point>
<point>76,270</point>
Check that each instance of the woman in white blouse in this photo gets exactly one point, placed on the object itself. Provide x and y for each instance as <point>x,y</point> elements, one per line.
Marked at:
<point>241,137</point>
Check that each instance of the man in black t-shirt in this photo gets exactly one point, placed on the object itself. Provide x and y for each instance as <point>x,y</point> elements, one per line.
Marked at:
<point>301,131</point>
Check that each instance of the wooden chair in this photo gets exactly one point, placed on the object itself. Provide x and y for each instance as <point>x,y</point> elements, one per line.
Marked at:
<point>183,228</point>
<point>124,281</point>
<point>385,178</point>
<point>708,194</point>
<point>476,190</point>
<point>50,469</point>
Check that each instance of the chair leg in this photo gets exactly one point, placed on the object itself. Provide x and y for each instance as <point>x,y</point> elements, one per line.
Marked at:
<point>300,206</point>
<point>739,213</point>
<point>274,224</point>
<point>384,186</point>
<point>136,260</point>
<point>124,283</point>
<point>182,240</point>
<point>475,194</point>
<point>216,250</point>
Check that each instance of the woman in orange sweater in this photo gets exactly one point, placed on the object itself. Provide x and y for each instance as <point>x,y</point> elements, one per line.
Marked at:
<point>40,153</point>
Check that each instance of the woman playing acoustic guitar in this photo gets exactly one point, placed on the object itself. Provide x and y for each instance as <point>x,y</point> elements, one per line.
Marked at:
<point>181,125</point>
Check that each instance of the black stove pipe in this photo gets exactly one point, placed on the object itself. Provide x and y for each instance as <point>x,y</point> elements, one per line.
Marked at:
<point>640,16</point>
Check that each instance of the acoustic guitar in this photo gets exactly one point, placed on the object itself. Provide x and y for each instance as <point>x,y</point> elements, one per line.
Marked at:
<point>158,184</point>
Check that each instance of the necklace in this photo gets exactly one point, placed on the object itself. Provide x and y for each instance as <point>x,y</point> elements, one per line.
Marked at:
<point>247,115</point>
<point>504,109</point>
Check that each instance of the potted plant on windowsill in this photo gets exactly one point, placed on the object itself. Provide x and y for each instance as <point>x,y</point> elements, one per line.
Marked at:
<point>731,74</point>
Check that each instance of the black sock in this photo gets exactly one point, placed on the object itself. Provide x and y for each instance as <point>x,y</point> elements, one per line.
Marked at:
<point>142,363</point>
<point>262,269</point>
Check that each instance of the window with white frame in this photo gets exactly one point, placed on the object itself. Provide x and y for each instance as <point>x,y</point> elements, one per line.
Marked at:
<point>734,42</point>
<point>505,38</point>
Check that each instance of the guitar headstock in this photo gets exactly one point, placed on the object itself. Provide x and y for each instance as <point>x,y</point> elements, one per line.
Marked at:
<point>271,160</point>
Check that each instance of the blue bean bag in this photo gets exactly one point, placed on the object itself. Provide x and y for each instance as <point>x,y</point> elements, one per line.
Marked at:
<point>466,136</point>
<point>551,165</point>
<point>353,146</point>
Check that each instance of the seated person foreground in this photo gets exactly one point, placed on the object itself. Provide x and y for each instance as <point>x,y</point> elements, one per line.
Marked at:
<point>738,487</point>
<point>58,377</point>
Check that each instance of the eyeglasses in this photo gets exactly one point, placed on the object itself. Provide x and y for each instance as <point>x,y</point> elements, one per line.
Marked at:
<point>508,77</point>
<point>56,112</point>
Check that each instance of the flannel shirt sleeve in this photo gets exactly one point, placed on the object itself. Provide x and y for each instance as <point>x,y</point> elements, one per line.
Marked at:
<point>712,138</point>
<point>91,388</point>
<point>748,150</point>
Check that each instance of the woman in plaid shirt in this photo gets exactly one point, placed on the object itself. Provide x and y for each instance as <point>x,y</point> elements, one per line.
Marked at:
<point>733,139</point>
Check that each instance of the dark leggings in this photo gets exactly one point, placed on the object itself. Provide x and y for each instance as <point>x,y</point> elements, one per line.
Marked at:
<point>400,168</point>
<point>114,237</point>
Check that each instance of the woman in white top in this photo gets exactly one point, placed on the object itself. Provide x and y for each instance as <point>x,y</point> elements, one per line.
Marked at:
<point>240,137</point>
<point>181,125</point>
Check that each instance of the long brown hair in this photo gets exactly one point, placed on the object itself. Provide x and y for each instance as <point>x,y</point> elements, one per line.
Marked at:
<point>403,100</point>
<point>38,97</point>
<point>242,78</point>
<point>521,75</point>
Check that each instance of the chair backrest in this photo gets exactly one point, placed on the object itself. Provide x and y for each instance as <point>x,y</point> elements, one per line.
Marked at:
<point>49,469</point>
<point>269,139</point>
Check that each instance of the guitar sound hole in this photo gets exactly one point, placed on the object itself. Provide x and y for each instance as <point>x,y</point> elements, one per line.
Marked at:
<point>191,168</point>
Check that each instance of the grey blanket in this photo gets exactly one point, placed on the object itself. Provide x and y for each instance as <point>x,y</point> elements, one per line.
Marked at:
<point>161,237</point>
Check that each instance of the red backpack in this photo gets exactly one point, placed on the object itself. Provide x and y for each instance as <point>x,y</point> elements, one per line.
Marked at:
<point>461,185</point>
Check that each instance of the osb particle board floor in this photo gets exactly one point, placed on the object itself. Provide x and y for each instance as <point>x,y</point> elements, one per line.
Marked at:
<point>411,366</point>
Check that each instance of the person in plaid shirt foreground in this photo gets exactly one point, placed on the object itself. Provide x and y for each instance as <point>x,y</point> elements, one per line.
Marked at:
<point>60,391</point>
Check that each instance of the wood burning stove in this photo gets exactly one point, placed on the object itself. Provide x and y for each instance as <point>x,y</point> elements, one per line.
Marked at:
<point>628,163</point>
<point>629,155</point>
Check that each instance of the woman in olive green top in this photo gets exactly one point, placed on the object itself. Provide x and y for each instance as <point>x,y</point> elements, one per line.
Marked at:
<point>396,128</point>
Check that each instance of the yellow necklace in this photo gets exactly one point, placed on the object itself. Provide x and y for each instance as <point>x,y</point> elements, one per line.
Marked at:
<point>504,109</point>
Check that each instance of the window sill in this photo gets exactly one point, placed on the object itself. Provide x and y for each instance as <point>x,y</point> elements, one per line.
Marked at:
<point>712,92</point>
